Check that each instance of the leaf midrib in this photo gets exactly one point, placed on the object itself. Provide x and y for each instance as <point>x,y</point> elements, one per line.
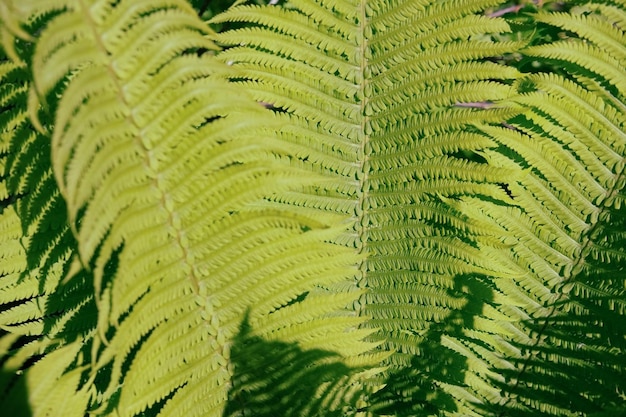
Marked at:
<point>364,149</point>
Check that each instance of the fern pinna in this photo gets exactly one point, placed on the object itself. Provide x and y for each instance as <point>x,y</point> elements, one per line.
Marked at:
<point>327,208</point>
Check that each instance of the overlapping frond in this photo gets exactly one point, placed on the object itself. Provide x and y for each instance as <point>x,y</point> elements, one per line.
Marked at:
<point>37,312</point>
<point>567,325</point>
<point>158,162</point>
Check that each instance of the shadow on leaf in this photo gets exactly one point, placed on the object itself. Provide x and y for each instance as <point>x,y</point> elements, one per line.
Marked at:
<point>273,378</point>
<point>418,390</point>
<point>13,393</point>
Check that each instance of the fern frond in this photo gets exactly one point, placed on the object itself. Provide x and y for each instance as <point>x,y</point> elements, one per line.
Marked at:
<point>377,97</point>
<point>166,184</point>
<point>38,312</point>
<point>570,246</point>
<point>358,96</point>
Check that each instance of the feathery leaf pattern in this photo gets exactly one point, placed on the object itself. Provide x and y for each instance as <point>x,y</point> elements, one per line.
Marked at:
<point>326,208</point>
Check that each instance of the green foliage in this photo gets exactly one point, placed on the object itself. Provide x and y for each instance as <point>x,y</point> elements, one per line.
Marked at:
<point>313,208</point>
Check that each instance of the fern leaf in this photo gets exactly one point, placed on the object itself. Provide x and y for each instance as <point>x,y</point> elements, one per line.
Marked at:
<point>364,96</point>
<point>166,187</point>
<point>38,312</point>
<point>571,143</point>
<point>371,95</point>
